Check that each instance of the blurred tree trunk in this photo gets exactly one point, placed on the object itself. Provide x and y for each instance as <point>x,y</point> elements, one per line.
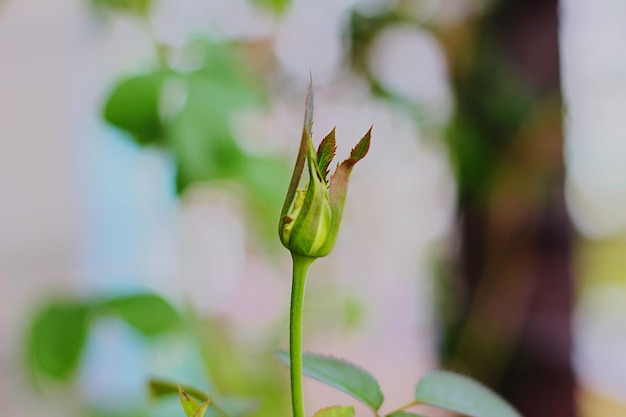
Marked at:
<point>513,330</point>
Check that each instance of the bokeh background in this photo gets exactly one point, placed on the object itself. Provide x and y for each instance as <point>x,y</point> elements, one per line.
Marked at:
<point>146,146</point>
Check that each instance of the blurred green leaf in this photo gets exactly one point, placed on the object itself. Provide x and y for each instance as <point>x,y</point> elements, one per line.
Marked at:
<point>335,411</point>
<point>191,406</point>
<point>133,106</point>
<point>195,125</point>
<point>201,410</point>
<point>57,337</point>
<point>275,5</point>
<point>461,394</point>
<point>148,313</point>
<point>133,6</point>
<point>342,375</point>
<point>240,369</point>
<point>265,180</point>
<point>402,414</point>
<point>200,134</point>
<point>220,406</point>
<point>159,388</point>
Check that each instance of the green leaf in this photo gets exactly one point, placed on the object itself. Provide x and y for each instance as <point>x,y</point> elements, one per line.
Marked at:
<point>134,107</point>
<point>305,140</point>
<point>133,6</point>
<point>278,6</point>
<point>461,394</point>
<point>263,178</point>
<point>342,375</point>
<point>201,133</point>
<point>232,407</point>
<point>403,414</point>
<point>335,411</point>
<point>326,153</point>
<point>57,338</point>
<point>148,313</point>
<point>201,410</point>
<point>159,388</point>
<point>191,406</point>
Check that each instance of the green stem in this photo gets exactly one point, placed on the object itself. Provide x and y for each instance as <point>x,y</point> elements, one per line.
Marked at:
<point>301,266</point>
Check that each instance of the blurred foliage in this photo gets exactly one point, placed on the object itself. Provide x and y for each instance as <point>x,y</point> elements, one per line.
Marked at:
<point>57,337</point>
<point>134,107</point>
<point>278,6</point>
<point>59,331</point>
<point>481,129</point>
<point>149,314</point>
<point>504,141</point>
<point>233,407</point>
<point>191,406</point>
<point>363,28</point>
<point>133,6</point>
<point>191,115</point>
<point>243,370</point>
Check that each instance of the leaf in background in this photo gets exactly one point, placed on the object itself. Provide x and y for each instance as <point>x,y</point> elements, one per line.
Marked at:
<point>342,375</point>
<point>200,134</point>
<point>133,6</point>
<point>191,406</point>
<point>57,338</point>
<point>264,178</point>
<point>461,394</point>
<point>133,106</point>
<point>402,414</point>
<point>278,6</point>
<point>335,411</point>
<point>148,313</point>
<point>232,407</point>
<point>200,411</point>
<point>159,388</point>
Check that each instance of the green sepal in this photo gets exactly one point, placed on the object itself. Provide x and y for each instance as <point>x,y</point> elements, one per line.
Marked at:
<point>300,158</point>
<point>361,148</point>
<point>339,187</point>
<point>326,152</point>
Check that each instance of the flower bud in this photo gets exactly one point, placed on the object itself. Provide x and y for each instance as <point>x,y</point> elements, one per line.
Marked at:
<point>311,216</point>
